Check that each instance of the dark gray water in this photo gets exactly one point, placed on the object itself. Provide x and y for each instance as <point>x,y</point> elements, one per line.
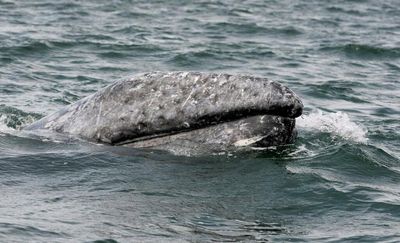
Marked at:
<point>339,182</point>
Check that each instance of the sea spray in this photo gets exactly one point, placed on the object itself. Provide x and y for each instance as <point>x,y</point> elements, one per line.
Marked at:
<point>338,124</point>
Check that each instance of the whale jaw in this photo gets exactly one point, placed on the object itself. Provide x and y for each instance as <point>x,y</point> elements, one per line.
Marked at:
<point>256,132</point>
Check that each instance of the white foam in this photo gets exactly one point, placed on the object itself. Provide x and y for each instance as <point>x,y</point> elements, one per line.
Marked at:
<point>4,129</point>
<point>337,124</point>
<point>302,151</point>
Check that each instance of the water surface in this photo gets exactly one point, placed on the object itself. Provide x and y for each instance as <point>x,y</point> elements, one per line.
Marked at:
<point>339,182</point>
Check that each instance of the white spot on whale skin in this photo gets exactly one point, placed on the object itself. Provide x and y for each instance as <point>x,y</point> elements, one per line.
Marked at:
<point>248,141</point>
<point>49,125</point>
<point>187,99</point>
<point>99,114</point>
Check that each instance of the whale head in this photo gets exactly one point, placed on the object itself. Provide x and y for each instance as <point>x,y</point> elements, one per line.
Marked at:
<point>155,105</point>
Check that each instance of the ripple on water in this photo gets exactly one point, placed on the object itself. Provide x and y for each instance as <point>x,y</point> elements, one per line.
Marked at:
<point>361,51</point>
<point>355,12</point>
<point>22,231</point>
<point>104,241</point>
<point>212,228</point>
<point>351,175</point>
<point>252,29</point>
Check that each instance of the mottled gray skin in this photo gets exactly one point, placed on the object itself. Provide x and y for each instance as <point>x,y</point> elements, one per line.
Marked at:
<point>156,108</point>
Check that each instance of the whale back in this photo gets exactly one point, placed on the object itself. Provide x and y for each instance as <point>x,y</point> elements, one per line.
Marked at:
<point>165,103</point>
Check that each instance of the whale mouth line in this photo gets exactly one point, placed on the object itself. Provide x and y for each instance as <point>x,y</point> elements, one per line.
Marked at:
<point>129,135</point>
<point>172,132</point>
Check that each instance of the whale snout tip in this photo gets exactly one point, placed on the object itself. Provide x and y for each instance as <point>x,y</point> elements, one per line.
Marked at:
<point>297,108</point>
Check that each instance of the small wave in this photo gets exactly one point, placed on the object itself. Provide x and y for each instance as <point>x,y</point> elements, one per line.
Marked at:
<point>105,241</point>
<point>218,229</point>
<point>335,9</point>
<point>26,230</point>
<point>365,51</point>
<point>338,124</point>
<point>28,48</point>
<point>12,119</point>
<point>189,58</point>
<point>98,45</point>
<point>244,28</point>
<point>289,31</point>
<point>4,128</point>
<point>253,29</point>
<point>12,89</point>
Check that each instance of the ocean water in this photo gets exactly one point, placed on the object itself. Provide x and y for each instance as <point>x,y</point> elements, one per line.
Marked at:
<point>339,182</point>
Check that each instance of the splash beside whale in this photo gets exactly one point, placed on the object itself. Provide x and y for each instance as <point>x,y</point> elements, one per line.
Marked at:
<point>157,109</point>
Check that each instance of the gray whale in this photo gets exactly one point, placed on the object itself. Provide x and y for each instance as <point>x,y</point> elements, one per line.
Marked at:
<point>205,109</point>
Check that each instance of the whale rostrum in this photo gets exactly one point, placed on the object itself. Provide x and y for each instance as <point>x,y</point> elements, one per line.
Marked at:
<point>159,108</point>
